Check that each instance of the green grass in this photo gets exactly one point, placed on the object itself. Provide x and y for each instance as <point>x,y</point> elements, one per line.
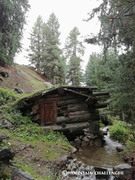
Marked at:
<point>50,144</point>
<point>32,170</point>
<point>5,171</point>
<point>7,96</point>
<point>120,131</point>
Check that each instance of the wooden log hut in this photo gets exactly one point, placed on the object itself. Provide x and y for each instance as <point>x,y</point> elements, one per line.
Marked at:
<point>67,109</point>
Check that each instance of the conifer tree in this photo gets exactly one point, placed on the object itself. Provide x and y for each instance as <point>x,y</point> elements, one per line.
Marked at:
<point>12,20</point>
<point>52,53</point>
<point>44,51</point>
<point>74,50</point>
<point>36,44</point>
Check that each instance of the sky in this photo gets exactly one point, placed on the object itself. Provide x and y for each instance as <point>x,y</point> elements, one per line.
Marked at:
<point>70,13</point>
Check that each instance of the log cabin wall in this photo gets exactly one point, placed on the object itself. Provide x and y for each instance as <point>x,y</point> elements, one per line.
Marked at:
<point>70,108</point>
<point>60,109</point>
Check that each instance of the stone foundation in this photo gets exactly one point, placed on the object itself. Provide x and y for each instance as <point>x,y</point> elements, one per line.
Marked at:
<point>89,139</point>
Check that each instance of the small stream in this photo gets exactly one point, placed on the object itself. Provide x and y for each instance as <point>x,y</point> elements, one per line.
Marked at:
<point>103,157</point>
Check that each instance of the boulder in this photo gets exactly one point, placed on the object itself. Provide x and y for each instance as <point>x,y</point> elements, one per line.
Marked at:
<point>6,155</point>
<point>5,123</point>
<point>119,149</point>
<point>123,171</point>
<point>4,74</point>
<point>73,149</point>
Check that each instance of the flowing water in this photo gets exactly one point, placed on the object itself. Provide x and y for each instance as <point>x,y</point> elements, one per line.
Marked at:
<point>103,157</point>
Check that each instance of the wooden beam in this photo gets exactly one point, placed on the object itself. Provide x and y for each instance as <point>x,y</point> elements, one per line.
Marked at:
<point>69,101</point>
<point>73,119</point>
<point>70,128</point>
<point>77,107</point>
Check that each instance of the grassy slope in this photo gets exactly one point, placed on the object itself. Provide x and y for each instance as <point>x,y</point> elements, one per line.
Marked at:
<point>37,157</point>
<point>36,151</point>
<point>23,77</point>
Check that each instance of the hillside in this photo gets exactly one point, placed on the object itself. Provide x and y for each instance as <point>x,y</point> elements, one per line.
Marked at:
<point>21,77</point>
<point>33,152</point>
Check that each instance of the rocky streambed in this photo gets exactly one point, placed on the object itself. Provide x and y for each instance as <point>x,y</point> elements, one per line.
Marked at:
<point>95,162</point>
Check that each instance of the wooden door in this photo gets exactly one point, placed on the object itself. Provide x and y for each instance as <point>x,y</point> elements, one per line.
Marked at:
<point>48,113</point>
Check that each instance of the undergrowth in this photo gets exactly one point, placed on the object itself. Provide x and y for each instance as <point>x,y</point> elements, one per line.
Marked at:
<point>119,131</point>
<point>7,96</point>
<point>50,144</point>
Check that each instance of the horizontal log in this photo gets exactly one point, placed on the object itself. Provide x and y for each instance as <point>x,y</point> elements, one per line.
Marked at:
<point>101,93</point>
<point>101,105</point>
<point>81,87</point>
<point>73,119</point>
<point>69,128</point>
<point>70,101</point>
<point>78,113</point>
<point>77,107</point>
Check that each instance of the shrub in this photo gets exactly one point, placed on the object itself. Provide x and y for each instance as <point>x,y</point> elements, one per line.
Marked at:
<point>14,115</point>
<point>119,131</point>
<point>7,96</point>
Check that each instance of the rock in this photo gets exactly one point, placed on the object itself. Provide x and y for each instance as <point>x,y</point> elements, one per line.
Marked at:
<point>126,171</point>
<point>6,155</point>
<point>86,130</point>
<point>119,149</point>
<point>19,175</point>
<point>18,90</point>
<point>81,137</point>
<point>84,143</point>
<point>86,139</point>
<point>91,143</point>
<point>73,149</point>
<point>90,136</point>
<point>4,74</point>
<point>78,142</point>
<point>5,124</point>
<point>98,142</point>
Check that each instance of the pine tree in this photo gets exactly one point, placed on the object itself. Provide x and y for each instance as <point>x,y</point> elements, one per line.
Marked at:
<point>74,50</point>
<point>115,75</point>
<point>36,46</point>
<point>117,19</point>
<point>52,51</point>
<point>44,51</point>
<point>12,19</point>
